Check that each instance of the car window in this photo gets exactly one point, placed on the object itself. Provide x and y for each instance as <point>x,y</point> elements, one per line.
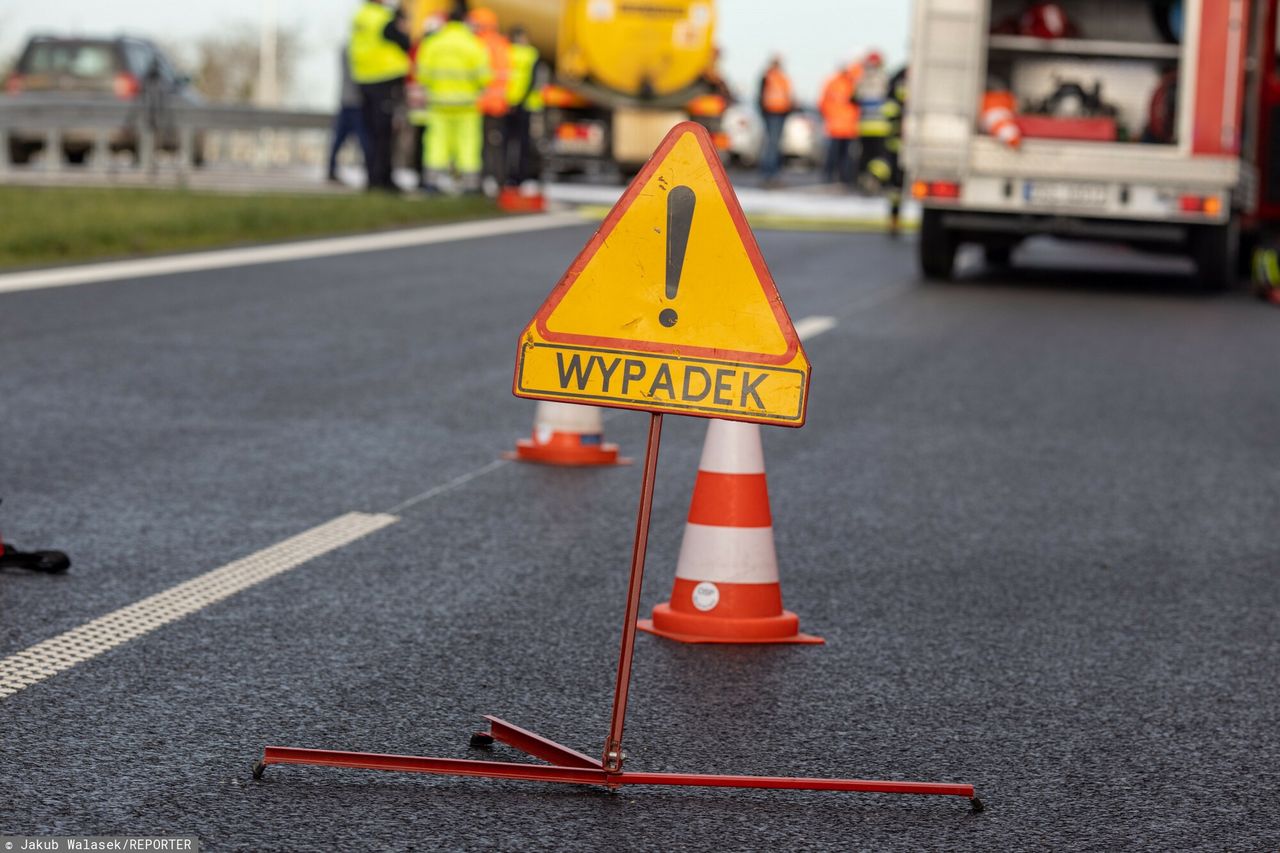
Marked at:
<point>78,59</point>
<point>138,56</point>
<point>166,70</point>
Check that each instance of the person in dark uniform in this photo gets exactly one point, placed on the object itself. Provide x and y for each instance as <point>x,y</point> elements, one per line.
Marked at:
<point>524,98</point>
<point>884,169</point>
<point>349,120</point>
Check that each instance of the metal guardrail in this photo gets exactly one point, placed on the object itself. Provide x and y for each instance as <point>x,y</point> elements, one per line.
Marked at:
<point>148,124</point>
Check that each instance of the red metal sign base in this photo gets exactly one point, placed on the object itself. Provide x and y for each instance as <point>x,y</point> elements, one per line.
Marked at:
<point>573,767</point>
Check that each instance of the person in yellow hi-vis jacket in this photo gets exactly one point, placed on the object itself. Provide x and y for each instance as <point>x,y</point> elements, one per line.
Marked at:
<point>378,53</point>
<point>453,68</point>
<point>524,98</point>
<point>417,101</point>
<point>1266,270</point>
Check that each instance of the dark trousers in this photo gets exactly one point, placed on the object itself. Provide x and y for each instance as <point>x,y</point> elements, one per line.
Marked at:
<point>348,121</point>
<point>837,166</point>
<point>378,106</point>
<point>873,147</point>
<point>494,153</point>
<point>771,154</point>
<point>420,153</point>
<point>519,142</point>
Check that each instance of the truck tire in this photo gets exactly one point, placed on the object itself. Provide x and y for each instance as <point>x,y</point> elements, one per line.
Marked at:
<point>937,247</point>
<point>997,255</point>
<point>1215,250</point>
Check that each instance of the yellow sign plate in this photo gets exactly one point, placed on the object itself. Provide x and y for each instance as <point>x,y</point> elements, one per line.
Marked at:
<point>687,386</point>
<point>670,307</point>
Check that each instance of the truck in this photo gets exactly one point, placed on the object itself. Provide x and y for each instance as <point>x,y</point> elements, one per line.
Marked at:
<point>1147,122</point>
<point>623,73</point>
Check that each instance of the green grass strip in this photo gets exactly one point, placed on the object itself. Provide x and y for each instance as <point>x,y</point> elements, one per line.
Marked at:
<point>55,225</point>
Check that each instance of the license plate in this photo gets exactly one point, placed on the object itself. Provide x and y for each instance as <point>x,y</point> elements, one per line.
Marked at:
<point>1065,194</point>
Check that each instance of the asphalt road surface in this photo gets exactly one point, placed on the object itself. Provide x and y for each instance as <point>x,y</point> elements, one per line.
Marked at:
<point>1036,518</point>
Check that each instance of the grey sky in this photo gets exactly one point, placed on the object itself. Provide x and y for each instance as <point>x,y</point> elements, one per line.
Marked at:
<point>812,34</point>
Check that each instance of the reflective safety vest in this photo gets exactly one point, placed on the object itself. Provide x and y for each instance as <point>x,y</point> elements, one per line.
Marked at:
<point>373,59</point>
<point>872,96</point>
<point>520,88</point>
<point>839,113</point>
<point>1266,273</point>
<point>453,67</point>
<point>777,92</point>
<point>494,100</point>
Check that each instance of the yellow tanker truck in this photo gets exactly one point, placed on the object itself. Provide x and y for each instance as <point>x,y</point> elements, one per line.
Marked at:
<point>623,73</point>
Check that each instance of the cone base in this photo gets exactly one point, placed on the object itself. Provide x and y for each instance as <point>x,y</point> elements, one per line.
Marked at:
<point>564,454</point>
<point>512,200</point>
<point>686,628</point>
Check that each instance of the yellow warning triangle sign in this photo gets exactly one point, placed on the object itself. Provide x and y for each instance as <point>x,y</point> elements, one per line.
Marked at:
<point>673,277</point>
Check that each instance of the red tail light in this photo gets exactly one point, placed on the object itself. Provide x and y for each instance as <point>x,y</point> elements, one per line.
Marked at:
<point>13,84</point>
<point>126,86</point>
<point>935,189</point>
<point>569,130</point>
<point>1210,205</point>
<point>706,105</point>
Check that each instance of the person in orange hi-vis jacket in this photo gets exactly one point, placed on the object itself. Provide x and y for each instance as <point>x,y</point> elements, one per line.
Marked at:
<point>493,101</point>
<point>840,116</point>
<point>775,104</point>
<point>998,109</point>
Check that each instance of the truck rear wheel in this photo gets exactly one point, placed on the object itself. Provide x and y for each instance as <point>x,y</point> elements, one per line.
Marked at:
<point>937,247</point>
<point>997,255</point>
<point>1215,250</point>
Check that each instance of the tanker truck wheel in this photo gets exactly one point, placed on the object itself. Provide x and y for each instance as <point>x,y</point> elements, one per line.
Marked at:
<point>937,247</point>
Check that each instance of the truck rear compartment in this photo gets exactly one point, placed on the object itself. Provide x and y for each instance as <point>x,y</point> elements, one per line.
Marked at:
<point>1105,106</point>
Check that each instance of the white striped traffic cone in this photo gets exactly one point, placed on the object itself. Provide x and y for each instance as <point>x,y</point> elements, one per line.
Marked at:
<point>567,434</point>
<point>999,121</point>
<point>726,588</point>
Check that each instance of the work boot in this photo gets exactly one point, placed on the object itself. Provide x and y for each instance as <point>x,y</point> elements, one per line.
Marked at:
<point>49,562</point>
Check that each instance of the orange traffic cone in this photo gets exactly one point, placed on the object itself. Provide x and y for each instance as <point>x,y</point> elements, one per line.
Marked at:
<point>998,118</point>
<point>727,588</point>
<point>566,434</point>
<point>515,200</point>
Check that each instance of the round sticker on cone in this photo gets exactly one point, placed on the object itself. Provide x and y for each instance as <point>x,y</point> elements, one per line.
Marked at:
<point>706,596</point>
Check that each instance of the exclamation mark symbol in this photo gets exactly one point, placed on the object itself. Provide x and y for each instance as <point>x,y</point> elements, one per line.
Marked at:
<point>680,203</point>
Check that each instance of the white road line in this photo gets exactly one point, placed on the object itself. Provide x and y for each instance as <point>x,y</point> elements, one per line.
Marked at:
<point>50,657</point>
<point>811,327</point>
<point>461,479</point>
<point>223,258</point>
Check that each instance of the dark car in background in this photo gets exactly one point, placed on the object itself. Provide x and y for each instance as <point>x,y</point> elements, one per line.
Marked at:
<point>123,69</point>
